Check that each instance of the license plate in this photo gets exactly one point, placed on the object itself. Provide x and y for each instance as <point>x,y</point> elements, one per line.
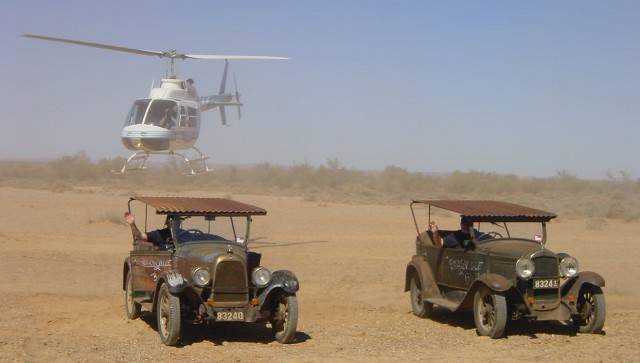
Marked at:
<point>230,316</point>
<point>546,283</point>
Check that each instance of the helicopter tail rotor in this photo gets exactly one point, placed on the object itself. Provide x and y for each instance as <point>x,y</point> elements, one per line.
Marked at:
<point>223,83</point>
<point>223,115</point>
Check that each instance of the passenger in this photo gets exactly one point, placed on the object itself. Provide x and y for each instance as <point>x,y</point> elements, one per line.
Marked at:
<point>458,238</point>
<point>168,121</point>
<point>191,88</point>
<point>160,238</point>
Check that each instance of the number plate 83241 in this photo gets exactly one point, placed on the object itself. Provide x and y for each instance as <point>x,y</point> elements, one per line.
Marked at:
<point>230,316</point>
<point>546,283</point>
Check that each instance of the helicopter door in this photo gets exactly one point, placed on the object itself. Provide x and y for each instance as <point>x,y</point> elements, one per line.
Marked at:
<point>184,117</point>
<point>194,117</point>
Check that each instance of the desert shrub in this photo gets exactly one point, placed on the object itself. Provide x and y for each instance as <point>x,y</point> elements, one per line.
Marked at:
<point>564,193</point>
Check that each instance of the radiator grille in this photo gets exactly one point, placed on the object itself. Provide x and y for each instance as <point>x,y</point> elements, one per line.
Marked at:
<point>546,266</point>
<point>230,282</point>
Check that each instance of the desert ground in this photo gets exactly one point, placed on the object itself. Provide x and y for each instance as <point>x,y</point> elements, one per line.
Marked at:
<point>61,286</point>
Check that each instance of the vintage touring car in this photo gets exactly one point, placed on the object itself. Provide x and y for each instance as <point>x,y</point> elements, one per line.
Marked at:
<point>204,270</point>
<point>499,274</point>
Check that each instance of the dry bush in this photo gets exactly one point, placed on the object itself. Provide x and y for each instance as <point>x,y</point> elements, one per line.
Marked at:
<point>563,193</point>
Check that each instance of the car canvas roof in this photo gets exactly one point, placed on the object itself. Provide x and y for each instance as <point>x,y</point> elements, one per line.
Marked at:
<point>200,206</point>
<point>491,210</point>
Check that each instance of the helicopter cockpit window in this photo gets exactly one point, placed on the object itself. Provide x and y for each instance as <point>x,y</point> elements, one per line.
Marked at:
<point>163,113</point>
<point>136,114</point>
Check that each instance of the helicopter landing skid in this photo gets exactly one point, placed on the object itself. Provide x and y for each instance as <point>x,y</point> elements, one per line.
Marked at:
<point>195,166</point>
<point>134,162</point>
<point>138,160</point>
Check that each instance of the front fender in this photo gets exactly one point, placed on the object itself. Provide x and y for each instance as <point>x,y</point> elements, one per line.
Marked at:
<point>174,280</point>
<point>176,283</point>
<point>284,280</point>
<point>573,286</point>
<point>419,266</point>
<point>493,281</point>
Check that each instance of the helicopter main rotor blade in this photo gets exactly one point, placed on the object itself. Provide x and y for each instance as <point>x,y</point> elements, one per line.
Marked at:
<point>232,57</point>
<point>98,45</point>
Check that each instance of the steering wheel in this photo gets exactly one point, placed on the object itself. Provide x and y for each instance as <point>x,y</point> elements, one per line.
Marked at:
<point>494,234</point>
<point>190,230</point>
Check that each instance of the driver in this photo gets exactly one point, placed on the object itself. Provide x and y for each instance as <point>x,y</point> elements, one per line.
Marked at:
<point>159,237</point>
<point>457,238</point>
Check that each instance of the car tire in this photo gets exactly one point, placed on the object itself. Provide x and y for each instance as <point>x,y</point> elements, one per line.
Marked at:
<point>168,316</point>
<point>592,309</point>
<point>419,307</point>
<point>133,308</point>
<point>285,318</point>
<point>489,312</point>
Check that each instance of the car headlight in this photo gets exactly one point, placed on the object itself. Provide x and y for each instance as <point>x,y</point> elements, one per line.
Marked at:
<point>201,276</point>
<point>569,266</point>
<point>525,268</point>
<point>260,276</point>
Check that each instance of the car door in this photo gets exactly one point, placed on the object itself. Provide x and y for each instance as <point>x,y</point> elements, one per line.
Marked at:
<point>147,266</point>
<point>458,268</point>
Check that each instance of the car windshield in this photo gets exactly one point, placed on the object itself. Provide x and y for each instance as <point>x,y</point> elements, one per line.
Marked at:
<point>210,229</point>
<point>523,230</point>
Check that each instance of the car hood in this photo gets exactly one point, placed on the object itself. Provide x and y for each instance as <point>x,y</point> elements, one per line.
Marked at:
<point>207,252</point>
<point>511,247</point>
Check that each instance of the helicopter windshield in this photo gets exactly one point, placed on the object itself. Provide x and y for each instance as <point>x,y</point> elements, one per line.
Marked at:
<point>163,113</point>
<point>136,114</point>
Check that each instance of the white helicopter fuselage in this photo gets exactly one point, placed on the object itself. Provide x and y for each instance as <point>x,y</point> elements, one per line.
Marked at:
<point>168,120</point>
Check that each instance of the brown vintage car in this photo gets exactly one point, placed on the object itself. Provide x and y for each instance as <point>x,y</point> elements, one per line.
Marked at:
<point>505,273</point>
<point>206,272</point>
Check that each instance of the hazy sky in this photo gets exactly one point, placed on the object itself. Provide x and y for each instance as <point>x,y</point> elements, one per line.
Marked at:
<point>503,86</point>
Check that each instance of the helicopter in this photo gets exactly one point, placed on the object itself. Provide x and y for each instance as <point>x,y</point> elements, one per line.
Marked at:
<point>169,119</point>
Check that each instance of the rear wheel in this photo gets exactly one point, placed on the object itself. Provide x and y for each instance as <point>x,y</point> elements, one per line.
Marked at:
<point>489,312</point>
<point>420,307</point>
<point>168,315</point>
<point>285,318</point>
<point>132,307</point>
<point>592,309</point>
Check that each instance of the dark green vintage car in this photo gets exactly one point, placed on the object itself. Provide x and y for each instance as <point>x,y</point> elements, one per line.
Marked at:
<point>204,271</point>
<point>500,274</point>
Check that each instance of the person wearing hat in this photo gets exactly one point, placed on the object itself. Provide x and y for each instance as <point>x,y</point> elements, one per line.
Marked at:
<point>458,238</point>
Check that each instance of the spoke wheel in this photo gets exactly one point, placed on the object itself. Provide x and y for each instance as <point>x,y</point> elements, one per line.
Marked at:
<point>489,312</point>
<point>168,316</point>
<point>285,318</point>
<point>419,307</point>
<point>592,310</point>
<point>132,307</point>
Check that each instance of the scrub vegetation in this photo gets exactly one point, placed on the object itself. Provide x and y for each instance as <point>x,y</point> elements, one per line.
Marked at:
<point>615,197</point>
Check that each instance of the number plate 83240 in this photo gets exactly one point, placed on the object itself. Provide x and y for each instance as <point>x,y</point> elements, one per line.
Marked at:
<point>546,283</point>
<point>230,316</point>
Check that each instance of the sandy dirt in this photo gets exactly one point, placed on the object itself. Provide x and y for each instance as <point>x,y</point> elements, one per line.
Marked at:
<point>62,298</point>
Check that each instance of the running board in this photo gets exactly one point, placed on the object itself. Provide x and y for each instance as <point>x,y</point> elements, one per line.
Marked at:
<point>442,302</point>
